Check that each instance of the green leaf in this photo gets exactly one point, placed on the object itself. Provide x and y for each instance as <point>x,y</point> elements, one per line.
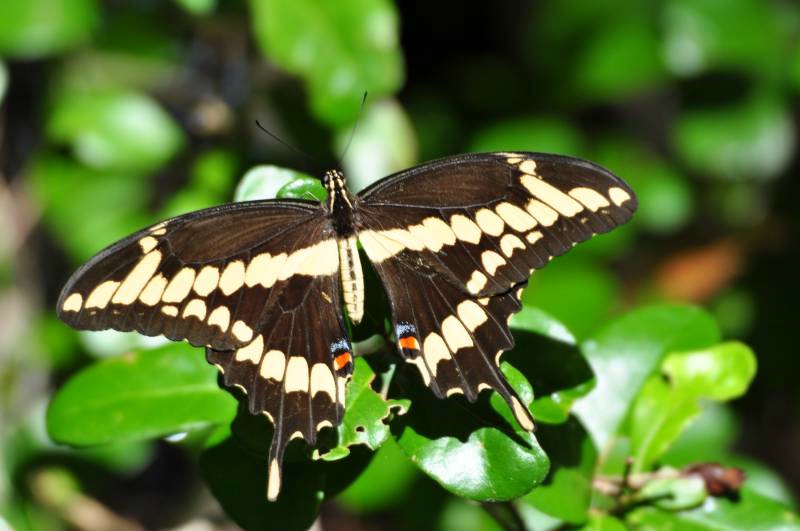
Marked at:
<point>751,139</point>
<point>117,201</point>
<point>722,372</point>
<point>475,451</point>
<point>112,130</point>
<point>706,438</point>
<point>367,414</point>
<point>674,493</point>
<point>383,143</point>
<point>138,396</point>
<point>751,511</point>
<point>557,370</point>
<point>603,522</point>
<point>236,473</point>
<point>303,188</point>
<point>546,135</point>
<point>627,351</point>
<point>339,49</point>
<point>37,28</point>
<point>665,407</point>
<point>533,319</point>
<point>567,491</point>
<point>385,481</point>
<point>265,182</point>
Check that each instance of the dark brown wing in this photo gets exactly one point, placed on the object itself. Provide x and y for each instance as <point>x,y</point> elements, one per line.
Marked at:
<point>257,283</point>
<point>455,239</point>
<point>207,277</point>
<point>296,369</point>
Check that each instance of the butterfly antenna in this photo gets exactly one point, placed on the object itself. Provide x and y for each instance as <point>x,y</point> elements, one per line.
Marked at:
<point>283,143</point>
<point>355,127</point>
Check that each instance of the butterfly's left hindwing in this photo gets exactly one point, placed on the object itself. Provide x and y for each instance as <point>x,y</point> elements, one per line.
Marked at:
<point>455,240</point>
<point>296,369</point>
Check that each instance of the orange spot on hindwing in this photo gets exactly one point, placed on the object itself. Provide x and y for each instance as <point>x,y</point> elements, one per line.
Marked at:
<point>341,361</point>
<point>407,339</point>
<point>409,342</point>
<point>342,357</point>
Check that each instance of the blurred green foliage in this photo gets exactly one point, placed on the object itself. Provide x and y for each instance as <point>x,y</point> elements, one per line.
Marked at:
<point>116,115</point>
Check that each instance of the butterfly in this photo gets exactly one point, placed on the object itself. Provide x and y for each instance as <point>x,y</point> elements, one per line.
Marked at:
<point>265,285</point>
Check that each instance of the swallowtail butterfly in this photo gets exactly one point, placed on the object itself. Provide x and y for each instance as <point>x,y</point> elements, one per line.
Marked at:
<point>260,284</point>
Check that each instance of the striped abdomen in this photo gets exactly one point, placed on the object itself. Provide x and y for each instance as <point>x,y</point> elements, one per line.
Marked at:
<point>352,278</point>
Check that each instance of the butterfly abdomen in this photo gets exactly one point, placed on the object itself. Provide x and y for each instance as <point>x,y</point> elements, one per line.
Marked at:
<point>352,278</point>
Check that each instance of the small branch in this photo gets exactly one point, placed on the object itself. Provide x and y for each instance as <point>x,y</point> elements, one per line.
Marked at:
<point>371,345</point>
<point>57,491</point>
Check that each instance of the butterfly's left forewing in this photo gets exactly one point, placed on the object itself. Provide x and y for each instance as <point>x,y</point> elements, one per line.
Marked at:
<point>455,240</point>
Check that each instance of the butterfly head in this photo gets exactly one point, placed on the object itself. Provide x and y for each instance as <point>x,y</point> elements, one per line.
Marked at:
<point>334,183</point>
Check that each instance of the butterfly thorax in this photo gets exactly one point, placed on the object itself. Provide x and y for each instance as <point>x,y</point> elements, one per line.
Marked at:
<point>340,206</point>
<point>340,203</point>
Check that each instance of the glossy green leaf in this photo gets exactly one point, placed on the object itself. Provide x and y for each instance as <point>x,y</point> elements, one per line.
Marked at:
<point>475,451</point>
<point>666,405</point>
<point>536,320</point>
<point>121,131</point>
<point>307,188</point>
<point>556,368</point>
<point>674,493</point>
<point>265,182</point>
<point>366,418</point>
<point>567,491</point>
<point>383,143</point>
<point>544,135</point>
<point>384,482</point>
<point>117,203</point>
<point>751,511</point>
<point>236,473</point>
<point>340,50</point>
<point>627,351</point>
<point>722,372</point>
<point>37,28</point>
<point>751,139</point>
<point>140,395</point>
